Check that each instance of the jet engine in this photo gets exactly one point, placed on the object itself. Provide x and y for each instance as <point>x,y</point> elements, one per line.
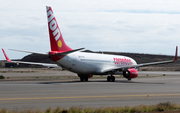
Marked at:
<point>130,73</point>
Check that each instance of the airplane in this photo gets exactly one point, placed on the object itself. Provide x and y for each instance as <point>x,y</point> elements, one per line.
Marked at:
<point>83,63</point>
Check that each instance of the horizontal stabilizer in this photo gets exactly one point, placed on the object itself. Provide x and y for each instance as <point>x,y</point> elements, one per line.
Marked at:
<point>68,52</point>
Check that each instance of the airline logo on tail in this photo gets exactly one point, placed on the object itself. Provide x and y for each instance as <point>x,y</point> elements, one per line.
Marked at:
<point>53,26</point>
<point>56,38</point>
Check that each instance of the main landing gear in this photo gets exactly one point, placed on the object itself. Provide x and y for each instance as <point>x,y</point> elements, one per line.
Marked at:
<point>83,78</point>
<point>111,78</point>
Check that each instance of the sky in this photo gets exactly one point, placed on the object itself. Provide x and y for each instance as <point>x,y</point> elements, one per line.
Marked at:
<point>137,26</point>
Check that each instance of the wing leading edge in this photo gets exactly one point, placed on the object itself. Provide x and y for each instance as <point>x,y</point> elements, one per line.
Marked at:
<point>143,64</point>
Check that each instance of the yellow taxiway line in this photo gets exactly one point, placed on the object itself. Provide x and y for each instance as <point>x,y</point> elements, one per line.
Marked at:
<point>79,97</point>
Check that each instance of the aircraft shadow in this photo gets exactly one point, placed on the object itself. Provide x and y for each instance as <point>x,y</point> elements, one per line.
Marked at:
<point>133,82</point>
<point>104,81</point>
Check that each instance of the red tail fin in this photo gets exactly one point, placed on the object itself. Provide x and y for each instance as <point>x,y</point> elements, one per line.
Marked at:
<point>56,38</point>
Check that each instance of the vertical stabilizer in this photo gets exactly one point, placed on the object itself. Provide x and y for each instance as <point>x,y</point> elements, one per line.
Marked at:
<point>56,38</point>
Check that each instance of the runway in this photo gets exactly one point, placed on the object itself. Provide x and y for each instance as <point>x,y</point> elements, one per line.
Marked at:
<point>95,93</point>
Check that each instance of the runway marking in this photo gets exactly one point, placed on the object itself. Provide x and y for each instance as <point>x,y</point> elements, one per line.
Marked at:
<point>66,90</point>
<point>79,97</point>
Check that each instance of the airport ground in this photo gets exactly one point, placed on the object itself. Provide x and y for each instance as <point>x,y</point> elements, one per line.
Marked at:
<point>42,88</point>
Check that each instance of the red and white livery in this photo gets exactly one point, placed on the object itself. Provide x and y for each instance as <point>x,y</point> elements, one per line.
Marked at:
<point>85,64</point>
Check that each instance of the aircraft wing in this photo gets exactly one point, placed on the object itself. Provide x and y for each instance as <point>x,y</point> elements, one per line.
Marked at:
<point>29,52</point>
<point>141,65</point>
<point>43,64</point>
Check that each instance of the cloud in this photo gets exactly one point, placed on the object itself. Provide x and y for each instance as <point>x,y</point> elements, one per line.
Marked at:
<point>140,26</point>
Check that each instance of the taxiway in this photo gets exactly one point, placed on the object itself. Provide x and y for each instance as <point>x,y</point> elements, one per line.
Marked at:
<point>66,93</point>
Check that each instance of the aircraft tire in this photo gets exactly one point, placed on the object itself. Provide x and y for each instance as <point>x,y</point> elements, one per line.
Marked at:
<point>81,78</point>
<point>113,79</point>
<point>85,78</point>
<point>109,78</point>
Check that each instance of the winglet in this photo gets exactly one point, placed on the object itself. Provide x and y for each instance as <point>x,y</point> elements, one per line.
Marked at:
<point>6,56</point>
<point>176,53</point>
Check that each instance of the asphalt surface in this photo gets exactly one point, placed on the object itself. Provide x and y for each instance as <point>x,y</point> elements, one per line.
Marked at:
<point>150,88</point>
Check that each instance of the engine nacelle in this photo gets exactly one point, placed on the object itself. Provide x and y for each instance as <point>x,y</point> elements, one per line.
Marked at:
<point>130,73</point>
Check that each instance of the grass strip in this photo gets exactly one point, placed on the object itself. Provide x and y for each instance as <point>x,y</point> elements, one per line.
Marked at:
<point>161,107</point>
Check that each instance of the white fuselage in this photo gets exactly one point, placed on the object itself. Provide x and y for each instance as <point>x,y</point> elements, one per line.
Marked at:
<point>93,63</point>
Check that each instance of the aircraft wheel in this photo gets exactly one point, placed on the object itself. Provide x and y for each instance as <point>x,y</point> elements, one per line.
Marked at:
<point>113,79</point>
<point>86,78</point>
<point>109,78</point>
<point>129,79</point>
<point>81,78</point>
